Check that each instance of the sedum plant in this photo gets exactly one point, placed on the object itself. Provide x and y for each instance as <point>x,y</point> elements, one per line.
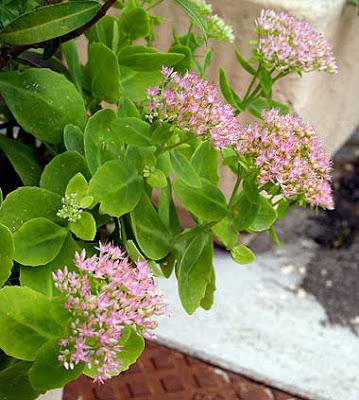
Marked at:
<point>94,156</point>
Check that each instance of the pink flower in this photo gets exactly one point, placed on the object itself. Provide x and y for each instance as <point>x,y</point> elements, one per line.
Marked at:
<point>291,44</point>
<point>107,293</point>
<point>194,105</point>
<point>288,153</point>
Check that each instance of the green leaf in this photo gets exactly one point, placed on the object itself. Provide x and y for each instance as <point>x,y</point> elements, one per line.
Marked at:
<point>44,23</point>
<point>167,210</point>
<point>38,242</point>
<point>184,169</point>
<point>205,162</point>
<point>157,179</point>
<point>77,185</point>
<point>245,213</point>
<point>192,11</point>
<point>127,108</point>
<point>59,171</point>
<point>6,254</point>
<point>186,63</point>
<point>162,134</point>
<point>117,186</point>
<point>74,139</point>
<point>42,89</point>
<point>30,323</point>
<point>104,73</point>
<point>284,109</point>
<point>135,23</point>
<point>207,301</point>
<point>150,233</point>
<point>194,272</point>
<point>134,84</point>
<point>245,64</point>
<point>102,142</point>
<point>85,227</point>
<point>132,131</point>
<point>69,50</point>
<point>265,218</point>
<point>226,232</point>
<point>226,89</point>
<point>250,189</point>
<point>242,254</point>
<point>40,278</point>
<point>24,159</point>
<point>47,372</point>
<point>27,203</point>
<point>143,58</point>
<point>266,83</point>
<point>206,202</point>
<point>273,235</point>
<point>14,382</point>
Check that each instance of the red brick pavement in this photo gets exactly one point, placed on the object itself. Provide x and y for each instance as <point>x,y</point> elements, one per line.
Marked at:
<point>164,374</point>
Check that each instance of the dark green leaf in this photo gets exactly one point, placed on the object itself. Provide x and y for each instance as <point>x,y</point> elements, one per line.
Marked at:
<point>265,218</point>
<point>245,64</point>
<point>30,323</point>
<point>250,189</point>
<point>24,160</point>
<point>69,50</point>
<point>226,232</point>
<point>242,255</point>
<point>6,254</point>
<point>273,235</point>
<point>226,89</point>
<point>14,382</point>
<point>205,162</point>
<point>186,63</point>
<point>51,48</point>
<point>132,131</point>
<point>150,233</point>
<point>117,186</point>
<point>61,169</point>
<point>38,242</point>
<point>26,203</point>
<point>127,108</point>
<point>162,134</point>
<point>74,139</point>
<point>104,73</point>
<point>167,210</point>
<point>42,89</point>
<point>135,23</point>
<point>245,213</point>
<point>102,142</point>
<point>194,272</point>
<point>206,202</point>
<point>266,83</point>
<point>184,169</point>
<point>48,372</point>
<point>207,301</point>
<point>46,22</point>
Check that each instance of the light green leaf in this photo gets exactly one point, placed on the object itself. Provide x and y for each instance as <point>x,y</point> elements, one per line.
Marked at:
<point>245,64</point>
<point>47,372</point>
<point>69,50</point>
<point>167,210</point>
<point>102,142</point>
<point>74,139</point>
<point>132,131</point>
<point>226,232</point>
<point>205,162</point>
<point>27,203</point>
<point>194,272</point>
<point>6,254</point>
<point>44,23</point>
<point>42,89</point>
<point>104,73</point>
<point>242,254</point>
<point>184,169</point>
<point>207,301</point>
<point>192,11</point>
<point>24,160</point>
<point>59,171</point>
<point>206,202</point>
<point>29,325</point>
<point>85,227</point>
<point>14,382</point>
<point>226,89</point>
<point>162,134</point>
<point>143,58</point>
<point>117,186</point>
<point>157,179</point>
<point>150,233</point>
<point>135,23</point>
<point>40,278</point>
<point>245,213</point>
<point>38,242</point>
<point>77,185</point>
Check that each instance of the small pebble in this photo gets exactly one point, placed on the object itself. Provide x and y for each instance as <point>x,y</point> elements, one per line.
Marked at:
<point>287,269</point>
<point>301,293</point>
<point>328,283</point>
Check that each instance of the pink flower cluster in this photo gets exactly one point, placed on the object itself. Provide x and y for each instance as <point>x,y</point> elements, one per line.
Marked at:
<point>194,105</point>
<point>288,153</point>
<point>106,294</point>
<point>290,44</point>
